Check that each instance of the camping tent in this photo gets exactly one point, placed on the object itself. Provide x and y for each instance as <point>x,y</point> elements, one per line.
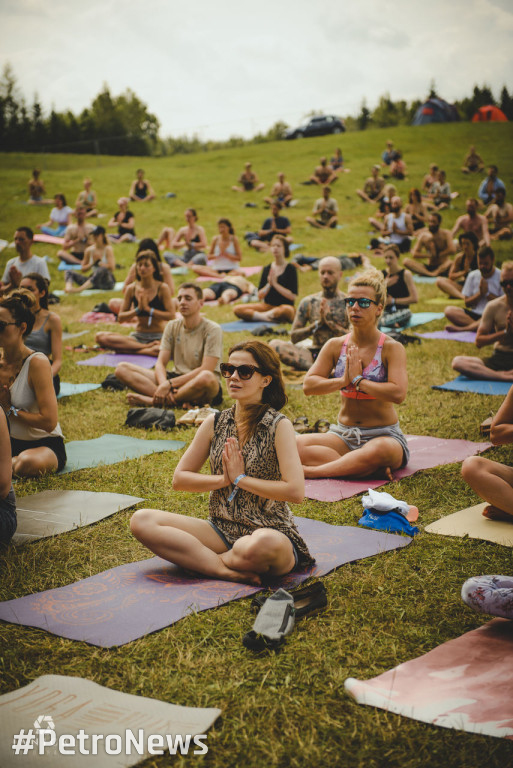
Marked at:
<point>489,114</point>
<point>435,111</point>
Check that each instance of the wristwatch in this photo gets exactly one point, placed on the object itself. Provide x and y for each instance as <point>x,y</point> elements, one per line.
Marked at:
<point>12,410</point>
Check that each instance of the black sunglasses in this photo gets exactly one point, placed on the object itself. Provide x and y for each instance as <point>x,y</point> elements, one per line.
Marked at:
<point>244,372</point>
<point>3,325</point>
<point>364,303</point>
<point>506,283</point>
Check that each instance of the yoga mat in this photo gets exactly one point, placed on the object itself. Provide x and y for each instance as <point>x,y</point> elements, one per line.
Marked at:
<point>40,237</point>
<point>110,449</point>
<point>425,453</point>
<point>464,684</point>
<point>442,300</point>
<point>179,270</point>
<point>124,603</point>
<point>248,271</point>
<point>295,246</point>
<point>479,386</point>
<point>68,389</point>
<point>112,360</point>
<point>67,335</point>
<point>423,279</point>
<point>417,318</point>
<point>73,267</point>
<point>468,337</point>
<point>90,292</point>
<point>51,512</point>
<point>243,325</point>
<point>74,703</point>
<point>470,522</point>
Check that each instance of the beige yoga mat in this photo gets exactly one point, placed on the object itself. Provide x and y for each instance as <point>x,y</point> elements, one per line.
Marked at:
<point>470,522</point>
<point>51,512</point>
<point>66,705</point>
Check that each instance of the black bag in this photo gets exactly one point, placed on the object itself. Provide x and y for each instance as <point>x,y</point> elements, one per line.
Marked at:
<point>397,319</point>
<point>149,418</point>
<point>111,381</point>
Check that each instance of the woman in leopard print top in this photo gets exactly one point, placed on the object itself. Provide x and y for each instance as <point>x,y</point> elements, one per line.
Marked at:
<point>255,471</point>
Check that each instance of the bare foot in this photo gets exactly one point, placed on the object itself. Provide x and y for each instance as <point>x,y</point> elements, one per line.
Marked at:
<point>242,577</point>
<point>453,328</point>
<point>135,399</point>
<point>494,513</point>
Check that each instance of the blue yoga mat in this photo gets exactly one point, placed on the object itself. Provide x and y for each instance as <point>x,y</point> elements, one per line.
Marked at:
<point>417,318</point>
<point>479,386</point>
<point>111,449</point>
<point>63,267</point>
<point>295,246</point>
<point>68,389</point>
<point>243,325</point>
<point>423,279</point>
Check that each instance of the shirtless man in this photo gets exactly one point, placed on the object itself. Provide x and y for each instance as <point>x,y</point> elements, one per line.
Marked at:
<point>248,181</point>
<point>320,317</point>
<point>434,243</point>
<point>474,222</point>
<point>76,239</point>
<point>323,174</point>
<point>496,328</point>
<point>374,188</point>
<point>281,192</point>
<point>141,190</point>
<point>481,286</point>
<point>324,211</point>
<point>500,217</point>
<point>473,162</point>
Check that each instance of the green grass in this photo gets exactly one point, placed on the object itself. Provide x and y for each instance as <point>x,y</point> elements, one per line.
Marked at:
<point>288,709</point>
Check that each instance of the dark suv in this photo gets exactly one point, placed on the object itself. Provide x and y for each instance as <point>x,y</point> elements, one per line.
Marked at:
<point>317,126</point>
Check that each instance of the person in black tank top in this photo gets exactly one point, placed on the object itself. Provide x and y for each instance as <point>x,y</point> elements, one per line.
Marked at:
<point>141,190</point>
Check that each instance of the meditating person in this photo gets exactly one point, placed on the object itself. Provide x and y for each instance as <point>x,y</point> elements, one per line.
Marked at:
<point>191,239</point>
<point>377,221</point>
<point>388,153</point>
<point>481,286</point>
<point>472,221</point>
<point>76,239</point>
<point>500,217</point>
<point>489,594</point>
<point>439,194</point>
<point>255,473</point>
<point>324,212</point>
<point>398,226</point>
<point>430,177</point>
<point>141,190</point>
<point>228,290</point>
<point>276,224</point>
<point>60,217</point>
<point>492,481</point>
<point>46,334</point>
<point>124,220</point>
<point>398,166</point>
<point>8,520</point>
<point>195,345</point>
<point>473,162</point>
<point>319,317</point>
<point>337,161</point>
<point>146,244</point>
<point>87,199</point>
<point>490,185</point>
<point>368,368</point>
<point>224,255</point>
<point>323,174</point>
<point>99,258</point>
<point>496,327</point>
<point>24,263</point>
<point>374,188</point>
<point>26,392</point>
<point>417,209</point>
<point>281,192</point>
<point>36,189</point>
<point>464,262</point>
<point>401,290</point>
<point>148,302</point>
<point>277,290</point>
<point>248,181</point>
<point>436,245</point>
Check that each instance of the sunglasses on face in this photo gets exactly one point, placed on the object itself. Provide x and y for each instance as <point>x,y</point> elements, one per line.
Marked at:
<point>506,283</point>
<point>3,325</point>
<point>244,372</point>
<point>363,303</point>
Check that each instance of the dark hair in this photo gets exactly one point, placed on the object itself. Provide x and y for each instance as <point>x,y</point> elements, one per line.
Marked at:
<point>20,303</point>
<point>147,244</point>
<point>27,231</point>
<point>494,167</point>
<point>148,256</point>
<point>394,248</point>
<point>193,211</point>
<point>414,192</point>
<point>140,170</point>
<point>486,252</point>
<point>36,172</point>
<point>473,200</point>
<point>193,287</point>
<point>60,197</point>
<point>42,285</point>
<point>228,224</point>
<point>99,230</point>
<point>437,216</point>
<point>327,189</point>
<point>285,244</point>
<point>471,237</point>
<point>273,395</point>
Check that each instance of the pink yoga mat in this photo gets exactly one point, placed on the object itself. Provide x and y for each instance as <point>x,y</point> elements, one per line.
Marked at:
<point>247,271</point>
<point>51,239</point>
<point>145,361</point>
<point>425,453</point>
<point>466,336</point>
<point>464,684</point>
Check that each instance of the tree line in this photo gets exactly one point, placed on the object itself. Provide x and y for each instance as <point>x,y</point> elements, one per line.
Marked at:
<point>122,125</point>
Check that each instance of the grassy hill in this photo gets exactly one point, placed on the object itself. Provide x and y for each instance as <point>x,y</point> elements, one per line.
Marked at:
<point>288,709</point>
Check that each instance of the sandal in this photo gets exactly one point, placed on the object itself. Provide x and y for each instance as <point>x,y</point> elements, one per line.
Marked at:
<point>301,425</point>
<point>307,600</point>
<point>204,413</point>
<point>486,426</point>
<point>322,425</point>
<point>188,418</point>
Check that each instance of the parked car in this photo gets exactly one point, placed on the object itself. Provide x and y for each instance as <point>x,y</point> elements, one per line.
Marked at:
<point>317,126</point>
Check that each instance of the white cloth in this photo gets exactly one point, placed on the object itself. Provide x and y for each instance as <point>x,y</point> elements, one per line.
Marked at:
<point>383,502</point>
<point>34,264</point>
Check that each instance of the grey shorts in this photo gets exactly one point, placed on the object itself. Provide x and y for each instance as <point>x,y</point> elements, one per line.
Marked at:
<point>145,338</point>
<point>229,546</point>
<point>356,437</point>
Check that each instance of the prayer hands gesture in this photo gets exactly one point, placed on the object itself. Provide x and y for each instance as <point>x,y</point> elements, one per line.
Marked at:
<point>142,299</point>
<point>324,310</point>
<point>233,462</point>
<point>354,364</point>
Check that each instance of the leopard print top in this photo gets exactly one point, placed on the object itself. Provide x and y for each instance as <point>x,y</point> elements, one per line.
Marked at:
<point>247,512</point>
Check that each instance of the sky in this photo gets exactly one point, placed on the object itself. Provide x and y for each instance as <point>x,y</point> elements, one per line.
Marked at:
<point>232,68</point>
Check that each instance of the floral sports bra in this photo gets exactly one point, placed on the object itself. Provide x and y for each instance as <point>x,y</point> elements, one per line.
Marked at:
<point>375,371</point>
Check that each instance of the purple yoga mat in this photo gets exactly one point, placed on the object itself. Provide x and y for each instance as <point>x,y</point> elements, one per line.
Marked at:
<point>425,453</point>
<point>145,361</point>
<point>132,600</point>
<point>466,336</point>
